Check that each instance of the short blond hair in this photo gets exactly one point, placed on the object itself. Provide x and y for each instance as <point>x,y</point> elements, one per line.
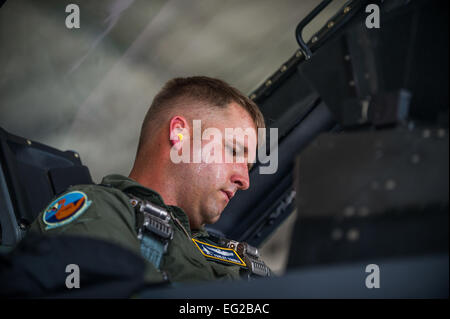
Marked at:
<point>211,92</point>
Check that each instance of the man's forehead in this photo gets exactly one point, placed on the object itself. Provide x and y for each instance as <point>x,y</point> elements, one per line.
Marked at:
<point>241,136</point>
<point>231,123</point>
<point>239,114</point>
<point>234,123</point>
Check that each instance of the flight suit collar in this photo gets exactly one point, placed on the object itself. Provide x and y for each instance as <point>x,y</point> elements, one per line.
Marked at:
<point>128,185</point>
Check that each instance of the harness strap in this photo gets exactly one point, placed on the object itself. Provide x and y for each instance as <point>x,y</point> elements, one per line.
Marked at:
<point>153,228</point>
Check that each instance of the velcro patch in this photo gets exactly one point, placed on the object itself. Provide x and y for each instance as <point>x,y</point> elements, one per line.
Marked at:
<point>65,209</point>
<point>227,255</point>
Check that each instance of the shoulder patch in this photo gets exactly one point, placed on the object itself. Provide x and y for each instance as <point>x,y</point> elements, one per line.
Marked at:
<point>65,209</point>
<point>227,255</point>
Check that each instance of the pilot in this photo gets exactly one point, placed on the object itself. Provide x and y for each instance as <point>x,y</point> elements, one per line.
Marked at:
<point>180,182</point>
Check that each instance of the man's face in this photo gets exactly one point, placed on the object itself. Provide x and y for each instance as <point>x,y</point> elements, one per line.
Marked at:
<point>208,186</point>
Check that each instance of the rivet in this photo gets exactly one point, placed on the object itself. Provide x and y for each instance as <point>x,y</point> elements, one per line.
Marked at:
<point>346,9</point>
<point>314,39</point>
<point>426,133</point>
<point>390,184</point>
<point>268,83</point>
<point>441,133</point>
<point>28,142</point>
<point>363,211</point>
<point>351,83</point>
<point>349,211</point>
<point>252,97</point>
<point>347,57</point>
<point>353,234</point>
<point>298,54</point>
<point>415,158</point>
<point>336,234</point>
<point>330,24</point>
<point>283,68</point>
<point>76,155</point>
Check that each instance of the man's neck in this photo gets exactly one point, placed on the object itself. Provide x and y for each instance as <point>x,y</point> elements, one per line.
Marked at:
<point>155,179</point>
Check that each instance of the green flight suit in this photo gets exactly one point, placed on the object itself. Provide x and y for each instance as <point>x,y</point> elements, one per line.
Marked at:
<point>111,217</point>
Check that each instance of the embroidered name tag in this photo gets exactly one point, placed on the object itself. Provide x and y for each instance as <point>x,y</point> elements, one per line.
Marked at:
<point>224,254</point>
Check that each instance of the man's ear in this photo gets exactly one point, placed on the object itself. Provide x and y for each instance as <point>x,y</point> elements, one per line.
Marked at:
<point>178,131</point>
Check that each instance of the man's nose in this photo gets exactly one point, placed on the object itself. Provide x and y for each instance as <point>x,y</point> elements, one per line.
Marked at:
<point>240,176</point>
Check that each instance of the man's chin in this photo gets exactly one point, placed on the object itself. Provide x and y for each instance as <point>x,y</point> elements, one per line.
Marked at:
<point>214,219</point>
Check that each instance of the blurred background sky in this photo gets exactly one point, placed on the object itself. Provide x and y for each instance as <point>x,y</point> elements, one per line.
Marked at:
<point>88,89</point>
